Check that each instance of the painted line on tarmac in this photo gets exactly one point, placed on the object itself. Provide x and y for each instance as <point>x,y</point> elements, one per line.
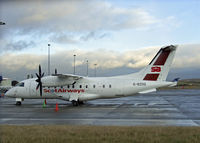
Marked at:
<point>149,122</point>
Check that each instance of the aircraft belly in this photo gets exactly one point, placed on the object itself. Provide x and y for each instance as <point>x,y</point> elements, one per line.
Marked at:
<point>86,96</point>
<point>128,91</point>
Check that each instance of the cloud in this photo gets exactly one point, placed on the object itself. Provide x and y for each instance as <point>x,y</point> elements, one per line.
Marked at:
<point>13,45</point>
<point>70,38</point>
<point>73,21</point>
<point>14,62</point>
<point>83,16</point>
<point>18,45</point>
<point>188,56</point>
<point>63,38</point>
<point>93,35</point>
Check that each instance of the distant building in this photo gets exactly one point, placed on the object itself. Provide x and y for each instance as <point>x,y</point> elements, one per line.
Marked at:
<point>6,84</point>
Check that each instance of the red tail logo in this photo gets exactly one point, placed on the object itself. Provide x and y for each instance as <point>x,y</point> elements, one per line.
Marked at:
<point>156,69</point>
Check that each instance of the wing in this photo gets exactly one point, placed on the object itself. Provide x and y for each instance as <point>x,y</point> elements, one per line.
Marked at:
<point>68,76</point>
<point>60,80</point>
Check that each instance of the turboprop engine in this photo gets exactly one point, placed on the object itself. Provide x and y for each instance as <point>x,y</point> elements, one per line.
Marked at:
<point>52,81</point>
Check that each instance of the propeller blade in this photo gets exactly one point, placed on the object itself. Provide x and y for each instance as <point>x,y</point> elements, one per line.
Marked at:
<point>42,74</point>
<point>39,70</point>
<point>37,86</point>
<point>37,75</point>
<point>41,89</point>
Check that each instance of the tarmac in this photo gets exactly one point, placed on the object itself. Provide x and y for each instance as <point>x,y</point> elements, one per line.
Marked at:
<point>162,108</point>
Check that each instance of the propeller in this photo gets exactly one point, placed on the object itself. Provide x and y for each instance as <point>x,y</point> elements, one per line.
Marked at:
<point>39,77</point>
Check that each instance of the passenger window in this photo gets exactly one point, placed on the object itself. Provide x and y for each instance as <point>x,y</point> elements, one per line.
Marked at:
<point>93,86</point>
<point>68,86</point>
<point>80,86</point>
<point>86,86</point>
<point>110,86</point>
<point>72,86</point>
<point>103,86</point>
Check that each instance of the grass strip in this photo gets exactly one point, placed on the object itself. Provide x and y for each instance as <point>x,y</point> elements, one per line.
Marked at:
<point>97,134</point>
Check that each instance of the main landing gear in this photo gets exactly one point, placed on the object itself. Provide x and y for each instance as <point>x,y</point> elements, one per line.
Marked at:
<point>77,103</point>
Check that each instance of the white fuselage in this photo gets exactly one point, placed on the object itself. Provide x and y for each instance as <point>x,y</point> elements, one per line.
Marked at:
<point>86,89</point>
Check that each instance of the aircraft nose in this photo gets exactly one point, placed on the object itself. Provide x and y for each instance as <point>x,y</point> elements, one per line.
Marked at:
<point>8,93</point>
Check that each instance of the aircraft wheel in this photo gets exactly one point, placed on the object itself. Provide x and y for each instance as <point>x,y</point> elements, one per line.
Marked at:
<point>18,103</point>
<point>75,103</point>
<point>80,102</point>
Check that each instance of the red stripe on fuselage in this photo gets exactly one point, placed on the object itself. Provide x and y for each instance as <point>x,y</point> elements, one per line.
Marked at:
<point>162,58</point>
<point>152,77</point>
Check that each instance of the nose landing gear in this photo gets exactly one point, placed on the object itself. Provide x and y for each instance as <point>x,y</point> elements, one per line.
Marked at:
<point>19,101</point>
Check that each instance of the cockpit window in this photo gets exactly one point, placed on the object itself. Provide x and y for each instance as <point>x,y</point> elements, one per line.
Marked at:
<point>21,84</point>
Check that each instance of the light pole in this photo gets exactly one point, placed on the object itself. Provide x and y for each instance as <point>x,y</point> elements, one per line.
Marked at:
<point>1,23</point>
<point>74,63</point>
<point>95,70</point>
<point>49,59</point>
<point>87,67</point>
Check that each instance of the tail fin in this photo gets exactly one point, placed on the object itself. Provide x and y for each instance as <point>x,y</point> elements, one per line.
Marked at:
<point>158,68</point>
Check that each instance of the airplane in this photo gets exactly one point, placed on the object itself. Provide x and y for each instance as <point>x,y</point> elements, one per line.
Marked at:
<point>78,89</point>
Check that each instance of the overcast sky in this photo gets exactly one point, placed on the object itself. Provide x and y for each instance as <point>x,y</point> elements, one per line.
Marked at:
<point>120,36</point>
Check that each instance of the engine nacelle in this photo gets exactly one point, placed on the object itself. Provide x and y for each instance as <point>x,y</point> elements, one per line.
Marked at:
<point>53,81</point>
